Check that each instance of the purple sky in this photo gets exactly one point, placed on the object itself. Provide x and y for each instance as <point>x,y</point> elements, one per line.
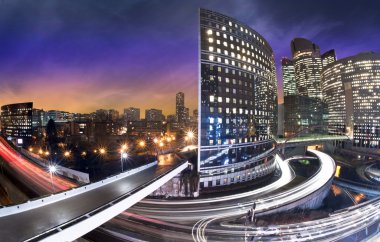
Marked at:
<point>79,55</point>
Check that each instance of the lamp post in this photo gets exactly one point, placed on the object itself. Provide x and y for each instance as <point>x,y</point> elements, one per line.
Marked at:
<point>52,169</point>
<point>123,156</point>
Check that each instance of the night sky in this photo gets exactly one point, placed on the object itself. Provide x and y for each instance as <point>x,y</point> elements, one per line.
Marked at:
<point>80,56</point>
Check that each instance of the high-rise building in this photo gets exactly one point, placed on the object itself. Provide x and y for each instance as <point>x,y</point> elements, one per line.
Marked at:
<point>238,101</point>
<point>180,107</point>
<point>304,108</point>
<point>59,116</point>
<point>132,114</point>
<point>301,113</point>
<point>154,115</point>
<point>106,115</point>
<point>288,77</point>
<point>307,67</point>
<point>351,88</point>
<point>16,122</point>
<point>328,57</point>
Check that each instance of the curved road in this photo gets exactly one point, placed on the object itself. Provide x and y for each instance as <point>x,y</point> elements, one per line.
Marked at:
<point>33,175</point>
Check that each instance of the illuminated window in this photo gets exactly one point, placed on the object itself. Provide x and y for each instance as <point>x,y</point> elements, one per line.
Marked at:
<point>209,32</point>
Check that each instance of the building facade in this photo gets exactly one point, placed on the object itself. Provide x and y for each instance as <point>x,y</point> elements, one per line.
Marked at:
<point>328,57</point>
<point>154,115</point>
<point>304,107</point>
<point>302,113</point>
<point>351,88</point>
<point>16,122</point>
<point>288,77</point>
<point>131,114</point>
<point>180,109</point>
<point>307,67</point>
<point>238,101</point>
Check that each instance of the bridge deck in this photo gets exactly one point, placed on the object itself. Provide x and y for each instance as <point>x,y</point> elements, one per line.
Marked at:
<point>27,224</point>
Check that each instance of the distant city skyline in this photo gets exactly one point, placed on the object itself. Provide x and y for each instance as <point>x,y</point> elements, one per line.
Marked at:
<point>80,56</point>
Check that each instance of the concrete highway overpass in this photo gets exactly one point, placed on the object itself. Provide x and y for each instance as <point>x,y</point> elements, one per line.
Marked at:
<point>68,215</point>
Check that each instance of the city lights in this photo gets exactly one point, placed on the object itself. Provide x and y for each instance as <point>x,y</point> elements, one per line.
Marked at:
<point>228,126</point>
<point>102,151</point>
<point>66,154</point>
<point>142,144</point>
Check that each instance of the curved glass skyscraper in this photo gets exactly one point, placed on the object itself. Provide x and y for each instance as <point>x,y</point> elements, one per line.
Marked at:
<point>351,88</point>
<point>238,101</point>
<point>307,67</point>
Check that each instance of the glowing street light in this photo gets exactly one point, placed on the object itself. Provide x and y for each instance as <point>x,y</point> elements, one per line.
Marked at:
<point>190,135</point>
<point>142,143</point>
<point>52,170</point>
<point>155,140</point>
<point>47,153</point>
<point>123,157</point>
<point>40,152</point>
<point>30,149</point>
<point>124,147</point>
<point>102,151</point>
<point>66,154</point>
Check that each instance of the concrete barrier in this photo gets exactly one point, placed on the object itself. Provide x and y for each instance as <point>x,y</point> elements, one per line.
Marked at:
<point>61,170</point>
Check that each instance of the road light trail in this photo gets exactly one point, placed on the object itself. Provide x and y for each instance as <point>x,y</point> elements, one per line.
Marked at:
<point>321,178</point>
<point>35,176</point>
<point>287,175</point>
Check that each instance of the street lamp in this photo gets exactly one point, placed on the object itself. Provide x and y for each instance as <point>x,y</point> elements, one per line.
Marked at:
<point>190,134</point>
<point>123,157</point>
<point>102,151</point>
<point>142,143</point>
<point>66,154</point>
<point>52,169</point>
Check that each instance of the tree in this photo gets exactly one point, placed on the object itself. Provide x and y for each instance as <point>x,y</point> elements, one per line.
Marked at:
<point>51,133</point>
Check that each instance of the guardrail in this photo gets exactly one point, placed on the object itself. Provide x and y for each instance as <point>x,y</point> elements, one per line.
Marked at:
<point>61,170</point>
<point>42,201</point>
<point>99,210</point>
<point>368,186</point>
<point>313,138</point>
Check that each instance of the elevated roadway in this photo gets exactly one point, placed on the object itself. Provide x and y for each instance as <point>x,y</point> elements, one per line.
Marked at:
<point>265,198</point>
<point>70,214</point>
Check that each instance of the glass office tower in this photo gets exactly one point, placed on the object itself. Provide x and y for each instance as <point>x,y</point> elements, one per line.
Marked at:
<point>238,101</point>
